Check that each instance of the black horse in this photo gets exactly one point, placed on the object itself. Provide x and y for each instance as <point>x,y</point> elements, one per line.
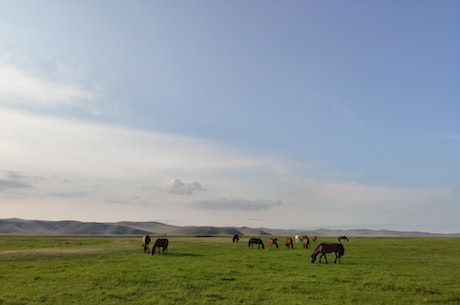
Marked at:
<point>256,241</point>
<point>236,238</point>
<point>160,243</point>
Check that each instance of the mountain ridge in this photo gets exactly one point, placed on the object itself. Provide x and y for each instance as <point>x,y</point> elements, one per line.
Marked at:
<point>17,226</point>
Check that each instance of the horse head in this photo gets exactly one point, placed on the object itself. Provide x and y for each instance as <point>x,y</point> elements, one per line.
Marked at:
<point>313,258</point>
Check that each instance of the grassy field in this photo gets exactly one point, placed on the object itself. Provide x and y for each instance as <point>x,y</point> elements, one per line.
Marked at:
<point>113,270</point>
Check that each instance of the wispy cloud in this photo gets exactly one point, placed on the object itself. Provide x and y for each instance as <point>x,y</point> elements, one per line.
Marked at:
<point>109,151</point>
<point>356,195</point>
<point>24,88</point>
<point>6,184</point>
<point>14,180</point>
<point>236,204</point>
<point>70,194</point>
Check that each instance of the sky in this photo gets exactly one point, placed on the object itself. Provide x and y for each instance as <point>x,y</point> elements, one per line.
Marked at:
<point>294,115</point>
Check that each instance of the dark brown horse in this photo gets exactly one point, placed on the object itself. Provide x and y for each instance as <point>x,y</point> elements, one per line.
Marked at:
<point>236,238</point>
<point>315,238</point>
<point>256,241</point>
<point>306,241</point>
<point>160,243</point>
<point>145,243</point>
<point>289,243</point>
<point>343,237</point>
<point>324,248</point>
<point>272,241</point>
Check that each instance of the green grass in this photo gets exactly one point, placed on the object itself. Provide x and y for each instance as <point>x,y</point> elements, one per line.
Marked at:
<point>113,270</point>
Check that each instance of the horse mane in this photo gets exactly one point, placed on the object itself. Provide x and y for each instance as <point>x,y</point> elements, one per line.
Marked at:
<point>317,249</point>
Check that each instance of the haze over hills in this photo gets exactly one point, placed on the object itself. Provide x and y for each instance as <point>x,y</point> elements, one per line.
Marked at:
<point>15,226</point>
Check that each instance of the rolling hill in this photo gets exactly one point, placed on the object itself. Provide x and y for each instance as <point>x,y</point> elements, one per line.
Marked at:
<point>15,226</point>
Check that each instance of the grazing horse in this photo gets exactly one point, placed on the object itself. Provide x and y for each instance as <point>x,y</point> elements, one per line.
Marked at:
<point>236,238</point>
<point>324,248</point>
<point>272,241</point>
<point>342,238</point>
<point>306,241</point>
<point>145,243</point>
<point>289,243</point>
<point>256,241</point>
<point>160,243</point>
<point>315,238</point>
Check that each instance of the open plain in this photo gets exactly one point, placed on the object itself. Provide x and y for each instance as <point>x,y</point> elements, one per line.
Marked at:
<point>213,270</point>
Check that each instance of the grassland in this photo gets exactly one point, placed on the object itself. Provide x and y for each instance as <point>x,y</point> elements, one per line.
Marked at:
<point>113,270</point>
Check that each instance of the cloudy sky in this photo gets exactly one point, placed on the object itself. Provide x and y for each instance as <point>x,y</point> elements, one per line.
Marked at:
<point>307,114</point>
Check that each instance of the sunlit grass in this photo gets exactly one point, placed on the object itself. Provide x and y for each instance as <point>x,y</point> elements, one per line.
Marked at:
<point>103,270</point>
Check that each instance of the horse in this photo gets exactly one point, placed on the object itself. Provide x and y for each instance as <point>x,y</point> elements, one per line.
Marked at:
<point>236,238</point>
<point>160,243</point>
<point>289,243</point>
<point>315,238</point>
<point>256,241</point>
<point>145,243</point>
<point>342,238</point>
<point>324,248</point>
<point>272,241</point>
<point>306,241</point>
<point>296,238</point>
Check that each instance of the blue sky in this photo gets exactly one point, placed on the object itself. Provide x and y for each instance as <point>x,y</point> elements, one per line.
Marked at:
<point>255,113</point>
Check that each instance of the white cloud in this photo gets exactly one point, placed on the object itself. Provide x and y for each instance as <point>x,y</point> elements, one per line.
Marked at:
<point>23,88</point>
<point>60,145</point>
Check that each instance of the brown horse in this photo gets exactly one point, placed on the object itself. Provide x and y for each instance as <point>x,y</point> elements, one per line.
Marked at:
<point>343,237</point>
<point>236,238</point>
<point>272,241</point>
<point>145,243</point>
<point>160,243</point>
<point>306,241</point>
<point>315,238</point>
<point>324,248</point>
<point>289,243</point>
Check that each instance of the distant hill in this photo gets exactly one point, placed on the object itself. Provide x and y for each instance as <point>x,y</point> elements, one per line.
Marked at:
<point>15,226</point>
<point>43,227</point>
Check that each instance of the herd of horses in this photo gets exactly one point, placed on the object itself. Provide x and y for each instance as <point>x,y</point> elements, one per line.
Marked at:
<point>322,249</point>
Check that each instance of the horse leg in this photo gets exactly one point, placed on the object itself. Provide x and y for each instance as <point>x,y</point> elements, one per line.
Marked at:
<point>325,257</point>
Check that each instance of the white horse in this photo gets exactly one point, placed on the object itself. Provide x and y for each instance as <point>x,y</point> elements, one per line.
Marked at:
<point>297,238</point>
